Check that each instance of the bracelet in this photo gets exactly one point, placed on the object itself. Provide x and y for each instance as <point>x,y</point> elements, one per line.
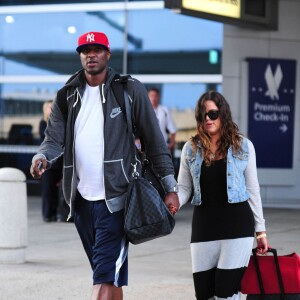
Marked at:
<point>263,235</point>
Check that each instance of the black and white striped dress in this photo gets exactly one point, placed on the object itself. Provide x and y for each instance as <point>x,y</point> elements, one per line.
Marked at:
<point>222,237</point>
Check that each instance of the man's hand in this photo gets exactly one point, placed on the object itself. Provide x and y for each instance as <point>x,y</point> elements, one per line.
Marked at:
<point>38,167</point>
<point>172,202</point>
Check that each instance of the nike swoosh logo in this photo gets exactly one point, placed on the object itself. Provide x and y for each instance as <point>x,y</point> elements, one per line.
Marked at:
<point>114,114</point>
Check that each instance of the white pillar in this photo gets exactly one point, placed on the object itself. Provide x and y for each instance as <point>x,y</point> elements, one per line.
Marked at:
<point>13,216</point>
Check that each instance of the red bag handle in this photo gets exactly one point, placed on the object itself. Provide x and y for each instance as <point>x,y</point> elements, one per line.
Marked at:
<point>256,264</point>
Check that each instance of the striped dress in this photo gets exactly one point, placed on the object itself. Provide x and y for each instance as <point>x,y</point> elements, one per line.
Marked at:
<point>222,237</point>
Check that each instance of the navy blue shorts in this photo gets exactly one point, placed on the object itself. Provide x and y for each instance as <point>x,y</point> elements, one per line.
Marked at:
<point>103,239</point>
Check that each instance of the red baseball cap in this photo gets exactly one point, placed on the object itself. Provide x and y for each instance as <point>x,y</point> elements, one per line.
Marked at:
<point>93,38</point>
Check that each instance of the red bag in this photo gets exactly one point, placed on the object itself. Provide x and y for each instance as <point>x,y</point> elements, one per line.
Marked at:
<point>273,270</point>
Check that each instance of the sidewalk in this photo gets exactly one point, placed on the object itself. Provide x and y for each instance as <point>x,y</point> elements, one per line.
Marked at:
<point>56,266</point>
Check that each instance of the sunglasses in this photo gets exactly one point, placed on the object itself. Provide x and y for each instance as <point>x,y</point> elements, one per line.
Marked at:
<point>212,114</point>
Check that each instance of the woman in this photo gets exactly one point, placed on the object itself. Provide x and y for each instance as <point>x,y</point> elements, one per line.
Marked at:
<point>46,114</point>
<point>51,180</point>
<point>218,170</point>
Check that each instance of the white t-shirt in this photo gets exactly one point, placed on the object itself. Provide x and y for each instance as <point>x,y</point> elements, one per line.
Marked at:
<point>89,146</point>
<point>165,121</point>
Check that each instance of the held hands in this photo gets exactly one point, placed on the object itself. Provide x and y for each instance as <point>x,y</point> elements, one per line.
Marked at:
<point>38,167</point>
<point>172,202</point>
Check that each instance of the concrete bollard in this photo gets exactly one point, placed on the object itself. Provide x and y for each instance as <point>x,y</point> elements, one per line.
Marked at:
<point>13,216</point>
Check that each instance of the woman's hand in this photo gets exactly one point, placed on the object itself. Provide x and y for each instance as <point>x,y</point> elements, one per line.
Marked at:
<point>262,242</point>
<point>172,202</point>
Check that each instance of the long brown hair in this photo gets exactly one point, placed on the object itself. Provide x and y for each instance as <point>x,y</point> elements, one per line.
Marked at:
<point>230,135</point>
<point>46,115</point>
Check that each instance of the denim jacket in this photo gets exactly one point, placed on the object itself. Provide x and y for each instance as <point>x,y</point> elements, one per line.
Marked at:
<point>242,182</point>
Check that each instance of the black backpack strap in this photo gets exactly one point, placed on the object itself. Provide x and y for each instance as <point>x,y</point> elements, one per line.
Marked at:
<point>63,104</point>
<point>63,94</point>
<point>118,84</point>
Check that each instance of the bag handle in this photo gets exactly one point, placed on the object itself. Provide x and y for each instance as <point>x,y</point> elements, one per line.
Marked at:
<point>135,174</point>
<point>279,277</point>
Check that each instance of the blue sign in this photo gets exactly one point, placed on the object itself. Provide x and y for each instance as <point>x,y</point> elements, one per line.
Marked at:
<point>271,111</point>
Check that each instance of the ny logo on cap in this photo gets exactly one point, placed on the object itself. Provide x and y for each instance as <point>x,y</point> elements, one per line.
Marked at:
<point>90,37</point>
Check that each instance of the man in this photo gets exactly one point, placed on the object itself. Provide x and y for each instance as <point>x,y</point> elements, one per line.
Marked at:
<point>164,118</point>
<point>87,127</point>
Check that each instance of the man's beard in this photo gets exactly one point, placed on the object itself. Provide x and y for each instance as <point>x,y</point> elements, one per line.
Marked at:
<point>96,72</point>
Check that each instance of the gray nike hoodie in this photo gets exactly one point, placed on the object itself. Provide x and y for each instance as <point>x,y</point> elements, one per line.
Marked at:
<point>59,138</point>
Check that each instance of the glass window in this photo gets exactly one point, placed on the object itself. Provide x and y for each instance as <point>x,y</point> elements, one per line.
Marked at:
<point>162,42</point>
<point>169,47</point>
<point>159,42</point>
<point>35,2</point>
<point>22,104</point>
<point>181,96</point>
